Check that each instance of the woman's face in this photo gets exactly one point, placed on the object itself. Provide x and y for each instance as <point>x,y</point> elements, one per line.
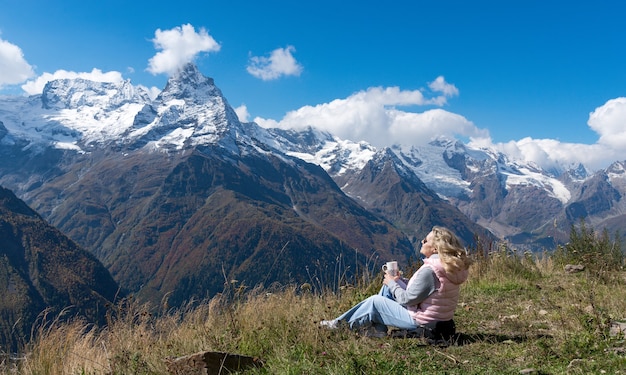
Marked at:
<point>428,247</point>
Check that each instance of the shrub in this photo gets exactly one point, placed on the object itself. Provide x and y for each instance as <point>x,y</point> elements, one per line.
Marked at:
<point>598,253</point>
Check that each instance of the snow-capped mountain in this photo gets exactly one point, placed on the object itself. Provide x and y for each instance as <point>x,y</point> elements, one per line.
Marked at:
<point>177,194</point>
<point>71,114</point>
<point>79,114</point>
<point>446,166</point>
<point>516,201</point>
<point>190,111</point>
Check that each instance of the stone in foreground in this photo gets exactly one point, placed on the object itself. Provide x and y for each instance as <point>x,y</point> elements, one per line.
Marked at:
<point>206,363</point>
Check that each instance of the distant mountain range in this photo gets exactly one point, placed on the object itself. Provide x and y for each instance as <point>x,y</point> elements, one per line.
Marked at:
<point>177,197</point>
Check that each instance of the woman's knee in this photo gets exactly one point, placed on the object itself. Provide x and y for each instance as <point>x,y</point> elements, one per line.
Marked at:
<point>379,300</point>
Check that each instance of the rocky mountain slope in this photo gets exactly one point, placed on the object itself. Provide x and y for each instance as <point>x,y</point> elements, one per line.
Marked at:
<point>383,182</point>
<point>42,273</point>
<point>529,208</point>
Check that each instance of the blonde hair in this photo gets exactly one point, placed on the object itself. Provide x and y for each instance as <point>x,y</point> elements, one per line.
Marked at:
<point>452,254</point>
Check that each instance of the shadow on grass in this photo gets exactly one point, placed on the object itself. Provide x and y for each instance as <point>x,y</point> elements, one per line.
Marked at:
<point>461,339</point>
<point>470,338</point>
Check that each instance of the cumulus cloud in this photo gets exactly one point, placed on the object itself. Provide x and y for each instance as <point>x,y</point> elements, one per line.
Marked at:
<point>551,154</point>
<point>440,85</point>
<point>280,63</point>
<point>608,120</point>
<point>13,67</point>
<point>179,46</point>
<point>242,113</point>
<point>36,86</point>
<point>372,115</point>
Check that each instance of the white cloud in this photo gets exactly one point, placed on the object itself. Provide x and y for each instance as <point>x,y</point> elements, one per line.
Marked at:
<point>179,46</point>
<point>440,85</point>
<point>153,91</point>
<point>371,115</point>
<point>242,113</point>
<point>553,154</point>
<point>609,121</point>
<point>13,67</point>
<point>419,128</point>
<point>280,63</point>
<point>36,86</point>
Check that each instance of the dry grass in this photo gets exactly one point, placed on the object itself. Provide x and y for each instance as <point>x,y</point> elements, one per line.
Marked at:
<point>515,313</point>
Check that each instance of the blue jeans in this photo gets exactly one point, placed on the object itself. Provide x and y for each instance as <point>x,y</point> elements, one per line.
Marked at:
<point>379,311</point>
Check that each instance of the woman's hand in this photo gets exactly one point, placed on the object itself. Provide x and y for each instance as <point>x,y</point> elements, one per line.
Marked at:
<point>388,278</point>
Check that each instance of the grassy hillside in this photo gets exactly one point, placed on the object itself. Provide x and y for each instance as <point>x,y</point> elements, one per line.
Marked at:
<point>516,315</point>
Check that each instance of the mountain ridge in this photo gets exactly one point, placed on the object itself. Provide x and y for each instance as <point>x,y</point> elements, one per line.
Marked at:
<point>193,198</point>
<point>159,190</point>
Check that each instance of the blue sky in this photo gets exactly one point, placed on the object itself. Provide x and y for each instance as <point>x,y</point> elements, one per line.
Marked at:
<point>541,80</point>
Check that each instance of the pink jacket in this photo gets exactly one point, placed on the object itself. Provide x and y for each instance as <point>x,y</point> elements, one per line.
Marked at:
<point>440,305</point>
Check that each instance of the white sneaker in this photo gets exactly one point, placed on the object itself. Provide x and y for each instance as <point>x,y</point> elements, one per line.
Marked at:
<point>330,324</point>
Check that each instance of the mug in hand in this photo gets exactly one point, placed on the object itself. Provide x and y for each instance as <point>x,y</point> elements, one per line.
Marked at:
<point>391,268</point>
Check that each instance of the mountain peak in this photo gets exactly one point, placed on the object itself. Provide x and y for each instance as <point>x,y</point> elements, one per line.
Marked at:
<point>190,111</point>
<point>188,83</point>
<point>191,73</point>
<point>78,92</point>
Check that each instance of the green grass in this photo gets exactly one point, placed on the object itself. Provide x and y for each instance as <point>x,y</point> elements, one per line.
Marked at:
<point>514,314</point>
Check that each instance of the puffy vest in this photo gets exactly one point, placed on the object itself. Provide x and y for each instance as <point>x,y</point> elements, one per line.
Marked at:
<point>441,304</point>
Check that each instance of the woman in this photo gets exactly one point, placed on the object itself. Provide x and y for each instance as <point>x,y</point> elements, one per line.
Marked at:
<point>424,306</point>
